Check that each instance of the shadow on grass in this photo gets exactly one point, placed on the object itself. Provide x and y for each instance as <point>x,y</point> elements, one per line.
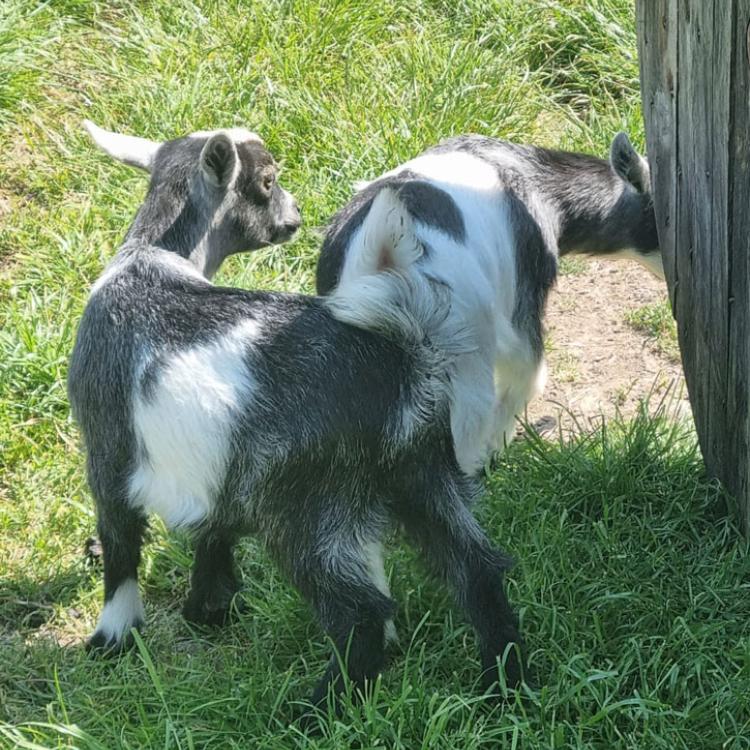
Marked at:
<point>28,603</point>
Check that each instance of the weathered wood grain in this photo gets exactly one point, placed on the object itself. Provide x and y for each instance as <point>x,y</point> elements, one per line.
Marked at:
<point>657,24</point>
<point>695,77</point>
<point>738,240</point>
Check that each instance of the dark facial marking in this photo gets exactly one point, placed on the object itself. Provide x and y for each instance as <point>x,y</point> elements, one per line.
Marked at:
<point>256,163</point>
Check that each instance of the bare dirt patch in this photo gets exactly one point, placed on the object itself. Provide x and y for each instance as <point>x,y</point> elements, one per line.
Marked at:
<point>600,365</point>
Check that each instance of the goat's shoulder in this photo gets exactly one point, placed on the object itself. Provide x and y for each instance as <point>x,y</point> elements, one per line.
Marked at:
<point>471,142</point>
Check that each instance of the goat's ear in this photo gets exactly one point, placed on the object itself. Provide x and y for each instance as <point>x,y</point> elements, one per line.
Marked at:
<point>219,160</point>
<point>628,164</point>
<point>137,152</point>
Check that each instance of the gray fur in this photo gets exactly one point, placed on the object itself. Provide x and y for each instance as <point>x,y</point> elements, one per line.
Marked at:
<point>321,435</point>
<point>596,206</point>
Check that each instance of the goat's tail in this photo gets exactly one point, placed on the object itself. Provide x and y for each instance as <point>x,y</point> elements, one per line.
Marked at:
<point>383,288</point>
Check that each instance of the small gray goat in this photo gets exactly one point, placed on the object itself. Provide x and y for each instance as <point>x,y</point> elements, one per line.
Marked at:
<point>318,424</point>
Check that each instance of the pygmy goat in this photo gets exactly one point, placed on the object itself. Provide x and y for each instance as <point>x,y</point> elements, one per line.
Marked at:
<point>317,424</point>
<point>493,217</point>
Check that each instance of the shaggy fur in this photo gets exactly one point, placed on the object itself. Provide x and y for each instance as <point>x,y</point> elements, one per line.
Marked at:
<point>493,218</point>
<point>317,424</point>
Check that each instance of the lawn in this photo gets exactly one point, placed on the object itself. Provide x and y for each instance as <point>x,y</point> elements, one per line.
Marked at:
<point>632,581</point>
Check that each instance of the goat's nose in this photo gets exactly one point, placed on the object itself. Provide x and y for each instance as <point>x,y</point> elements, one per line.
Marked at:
<point>293,223</point>
<point>295,220</point>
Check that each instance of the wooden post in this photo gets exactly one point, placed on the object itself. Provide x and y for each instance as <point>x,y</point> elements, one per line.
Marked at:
<point>695,80</point>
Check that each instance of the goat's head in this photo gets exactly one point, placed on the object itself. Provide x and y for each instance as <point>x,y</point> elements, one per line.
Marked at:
<point>219,188</point>
<point>633,169</point>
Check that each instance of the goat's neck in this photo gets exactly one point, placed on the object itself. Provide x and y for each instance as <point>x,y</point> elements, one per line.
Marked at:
<point>597,212</point>
<point>602,226</point>
<point>181,227</point>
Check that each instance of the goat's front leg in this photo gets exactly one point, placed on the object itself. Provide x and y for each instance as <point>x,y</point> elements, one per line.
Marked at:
<point>214,580</point>
<point>121,529</point>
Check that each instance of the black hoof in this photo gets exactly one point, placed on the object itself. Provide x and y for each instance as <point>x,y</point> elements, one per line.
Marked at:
<point>104,644</point>
<point>207,613</point>
<point>93,551</point>
<point>511,660</point>
<point>310,721</point>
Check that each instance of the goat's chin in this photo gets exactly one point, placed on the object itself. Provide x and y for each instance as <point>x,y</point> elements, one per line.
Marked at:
<point>258,245</point>
<point>282,235</point>
<point>263,244</point>
<point>653,262</point>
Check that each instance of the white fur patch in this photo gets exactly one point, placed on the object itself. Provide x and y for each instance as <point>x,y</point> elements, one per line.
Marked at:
<point>472,406</point>
<point>481,275</point>
<point>122,612</point>
<point>238,135</point>
<point>457,168</point>
<point>374,556</point>
<point>516,383</point>
<point>185,427</point>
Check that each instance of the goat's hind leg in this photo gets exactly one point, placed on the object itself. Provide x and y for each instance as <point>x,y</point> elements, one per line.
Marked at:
<point>214,580</point>
<point>342,578</point>
<point>456,548</point>
<point>120,528</point>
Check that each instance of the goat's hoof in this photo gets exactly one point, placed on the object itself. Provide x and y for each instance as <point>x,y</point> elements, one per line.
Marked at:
<point>199,615</point>
<point>310,721</point>
<point>93,551</point>
<point>512,665</point>
<point>207,613</point>
<point>105,644</point>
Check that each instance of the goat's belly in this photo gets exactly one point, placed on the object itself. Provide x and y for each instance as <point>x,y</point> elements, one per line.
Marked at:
<point>169,496</point>
<point>516,383</point>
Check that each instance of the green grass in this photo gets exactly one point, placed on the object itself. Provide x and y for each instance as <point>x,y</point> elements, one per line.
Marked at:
<point>632,583</point>
<point>657,322</point>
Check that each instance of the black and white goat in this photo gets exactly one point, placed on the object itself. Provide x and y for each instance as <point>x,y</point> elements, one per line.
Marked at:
<point>317,424</point>
<point>493,218</point>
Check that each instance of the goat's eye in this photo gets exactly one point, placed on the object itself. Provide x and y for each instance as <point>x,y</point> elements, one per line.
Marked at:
<point>268,181</point>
